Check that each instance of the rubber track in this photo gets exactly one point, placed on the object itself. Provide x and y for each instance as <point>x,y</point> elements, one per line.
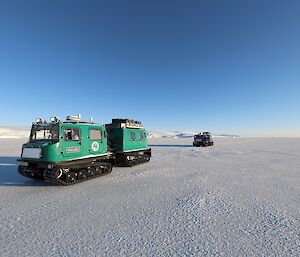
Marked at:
<point>76,169</point>
<point>139,160</point>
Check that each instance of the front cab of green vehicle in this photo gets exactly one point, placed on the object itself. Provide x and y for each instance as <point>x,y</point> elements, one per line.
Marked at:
<point>59,146</point>
<point>41,150</point>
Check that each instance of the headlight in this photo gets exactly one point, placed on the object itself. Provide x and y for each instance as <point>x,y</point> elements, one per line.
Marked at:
<point>33,153</point>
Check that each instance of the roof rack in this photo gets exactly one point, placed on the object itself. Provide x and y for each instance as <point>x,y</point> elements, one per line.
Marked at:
<point>77,119</point>
<point>204,133</point>
<point>124,123</point>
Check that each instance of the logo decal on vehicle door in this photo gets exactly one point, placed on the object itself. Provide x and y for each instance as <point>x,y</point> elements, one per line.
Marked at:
<point>95,146</point>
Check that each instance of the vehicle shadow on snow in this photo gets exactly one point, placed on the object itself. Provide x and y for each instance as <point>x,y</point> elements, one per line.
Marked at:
<point>9,175</point>
<point>171,145</point>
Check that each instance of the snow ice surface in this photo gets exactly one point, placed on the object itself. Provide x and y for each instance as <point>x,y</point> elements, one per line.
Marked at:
<point>239,197</point>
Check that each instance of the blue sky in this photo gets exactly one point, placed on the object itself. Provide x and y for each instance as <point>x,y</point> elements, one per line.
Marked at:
<point>224,66</point>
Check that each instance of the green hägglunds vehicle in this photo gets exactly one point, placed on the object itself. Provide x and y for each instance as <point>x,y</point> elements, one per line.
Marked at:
<point>71,151</point>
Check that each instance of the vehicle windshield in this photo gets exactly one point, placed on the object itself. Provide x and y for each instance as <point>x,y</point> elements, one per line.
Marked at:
<point>44,132</point>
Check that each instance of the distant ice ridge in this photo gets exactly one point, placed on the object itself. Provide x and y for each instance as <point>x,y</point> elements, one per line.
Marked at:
<point>181,134</point>
<point>169,134</point>
<point>23,132</point>
<point>14,132</point>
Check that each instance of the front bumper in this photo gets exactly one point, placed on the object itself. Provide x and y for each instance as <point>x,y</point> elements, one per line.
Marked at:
<point>33,168</point>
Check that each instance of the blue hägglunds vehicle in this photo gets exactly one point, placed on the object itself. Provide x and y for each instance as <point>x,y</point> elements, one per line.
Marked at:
<point>203,139</point>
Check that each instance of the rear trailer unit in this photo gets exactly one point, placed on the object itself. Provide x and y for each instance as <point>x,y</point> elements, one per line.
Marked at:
<point>128,141</point>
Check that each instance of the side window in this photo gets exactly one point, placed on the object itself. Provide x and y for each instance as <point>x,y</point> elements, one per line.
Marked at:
<point>105,134</point>
<point>132,135</point>
<point>141,136</point>
<point>72,134</point>
<point>95,134</point>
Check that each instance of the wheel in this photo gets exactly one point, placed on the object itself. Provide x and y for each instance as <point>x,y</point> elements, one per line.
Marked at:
<point>70,177</point>
<point>98,170</point>
<point>82,174</point>
<point>92,171</point>
<point>108,168</point>
<point>130,163</point>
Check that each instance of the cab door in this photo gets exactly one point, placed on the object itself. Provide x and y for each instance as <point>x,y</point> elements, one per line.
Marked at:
<point>96,141</point>
<point>71,144</point>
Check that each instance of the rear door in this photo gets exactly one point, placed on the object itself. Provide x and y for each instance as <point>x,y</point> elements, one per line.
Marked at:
<point>96,137</point>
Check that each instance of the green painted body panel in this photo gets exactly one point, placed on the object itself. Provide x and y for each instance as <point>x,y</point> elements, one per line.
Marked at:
<point>60,150</point>
<point>122,139</point>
